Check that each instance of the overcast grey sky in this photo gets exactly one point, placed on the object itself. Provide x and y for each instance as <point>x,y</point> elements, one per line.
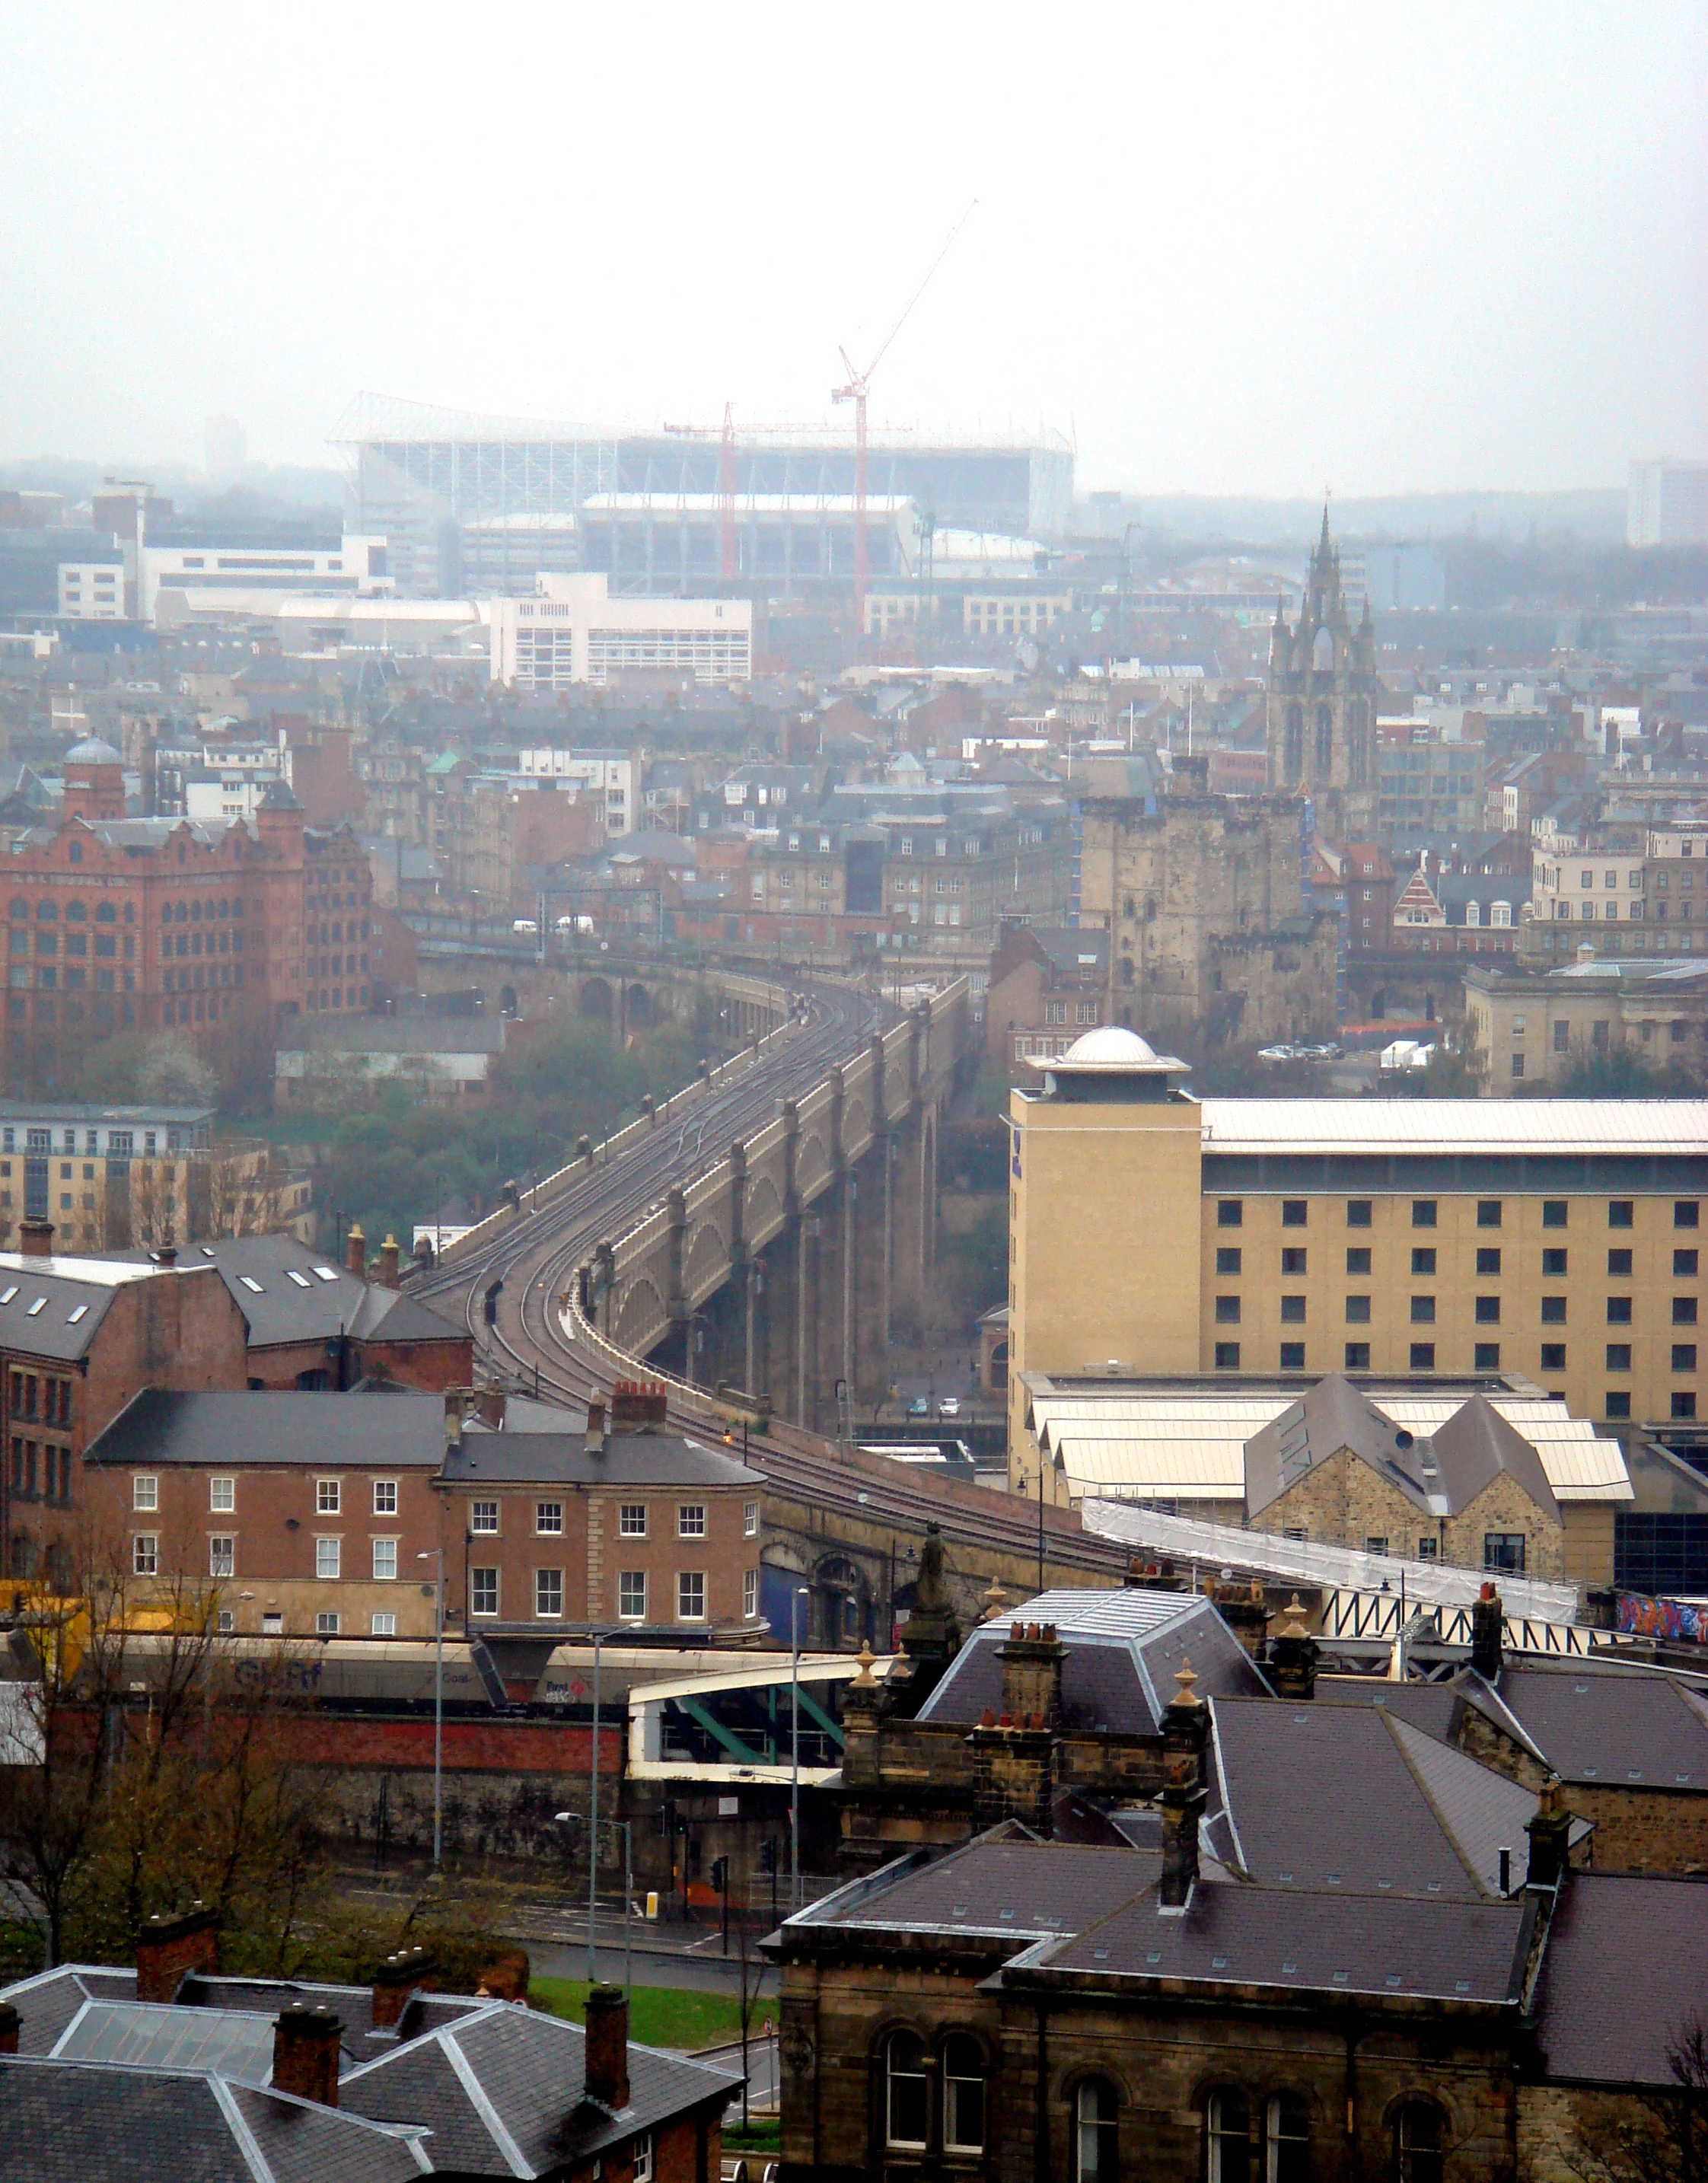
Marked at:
<point>1228,247</point>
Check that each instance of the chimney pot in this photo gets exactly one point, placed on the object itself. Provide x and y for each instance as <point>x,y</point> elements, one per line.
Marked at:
<point>607,2066</point>
<point>167,1948</point>
<point>388,1262</point>
<point>356,1252</point>
<point>306,2053</point>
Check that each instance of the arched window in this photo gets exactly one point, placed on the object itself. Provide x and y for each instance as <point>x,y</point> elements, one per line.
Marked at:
<point>906,2092</point>
<point>19,906</point>
<point>1417,2142</point>
<point>105,914</point>
<point>74,851</point>
<point>76,912</point>
<point>1096,2132</point>
<point>47,913</point>
<point>1228,2136</point>
<point>1286,2139</point>
<point>1325,739</point>
<point>963,2095</point>
<point>1293,753</point>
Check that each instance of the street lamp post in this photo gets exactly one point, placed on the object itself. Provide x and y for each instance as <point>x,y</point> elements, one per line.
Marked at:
<point>593,1826</point>
<point>437,1554</point>
<point>799,1593</point>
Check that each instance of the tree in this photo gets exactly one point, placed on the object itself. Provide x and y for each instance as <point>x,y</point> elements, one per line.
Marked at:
<point>1622,1072</point>
<point>1455,1071</point>
<point>1649,2134</point>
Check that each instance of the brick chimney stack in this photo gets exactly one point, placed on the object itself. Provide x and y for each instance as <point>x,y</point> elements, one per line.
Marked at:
<point>35,1239</point>
<point>453,1418</point>
<point>1487,1624</point>
<point>1185,1740</point>
<point>167,1948</point>
<point>594,1443</point>
<point>608,2046</point>
<point>356,1252</point>
<point>8,2028</point>
<point>305,2053</point>
<point>388,1262</point>
<point>638,1407</point>
<point>410,1970</point>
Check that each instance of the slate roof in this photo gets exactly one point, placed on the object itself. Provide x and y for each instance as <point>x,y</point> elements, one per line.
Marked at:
<point>561,1459</point>
<point>503,2092</point>
<point>71,2122</point>
<point>313,1308</point>
<point>1440,1472</point>
<point>1232,1936</point>
<point>1622,1976</point>
<point>1005,1885</point>
<point>159,1426</point>
<point>1122,1651</point>
<point>54,1306</point>
<point>1602,1725</point>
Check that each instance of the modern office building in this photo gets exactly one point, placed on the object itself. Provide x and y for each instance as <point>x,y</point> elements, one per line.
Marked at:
<point>1559,1241</point>
<point>573,631</point>
<point>1666,504</point>
<point>650,508</point>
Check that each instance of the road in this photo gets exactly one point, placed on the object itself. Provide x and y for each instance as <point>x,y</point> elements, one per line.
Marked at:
<point>536,1258</point>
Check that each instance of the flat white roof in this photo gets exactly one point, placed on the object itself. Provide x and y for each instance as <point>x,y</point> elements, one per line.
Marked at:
<point>98,1273</point>
<point>1456,1126</point>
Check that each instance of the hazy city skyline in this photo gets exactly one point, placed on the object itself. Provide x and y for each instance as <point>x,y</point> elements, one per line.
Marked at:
<point>1260,251</point>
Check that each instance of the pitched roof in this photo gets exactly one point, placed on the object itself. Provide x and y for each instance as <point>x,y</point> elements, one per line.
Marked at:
<point>1426,1821</point>
<point>1311,1941</point>
<point>54,1306</point>
<point>288,1427</point>
<point>1004,1886</point>
<point>1440,1473</point>
<point>503,2091</point>
<point>1123,1650</point>
<point>627,1460</point>
<point>1609,1726</point>
<point>289,1293</point>
<point>1622,1976</point>
<point>86,2122</point>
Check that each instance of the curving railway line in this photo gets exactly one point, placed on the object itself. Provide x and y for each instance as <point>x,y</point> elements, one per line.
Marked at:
<point>536,1258</point>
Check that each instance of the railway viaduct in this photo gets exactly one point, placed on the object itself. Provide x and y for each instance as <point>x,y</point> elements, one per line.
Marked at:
<point>625,994</point>
<point>752,1243</point>
<point>782,1268</point>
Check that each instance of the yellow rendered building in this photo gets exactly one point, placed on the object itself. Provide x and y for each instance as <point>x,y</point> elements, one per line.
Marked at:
<point>1555,1243</point>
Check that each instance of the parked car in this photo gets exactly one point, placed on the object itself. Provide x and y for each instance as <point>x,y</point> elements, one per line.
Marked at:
<point>526,928</point>
<point>949,1407</point>
<point>920,1406</point>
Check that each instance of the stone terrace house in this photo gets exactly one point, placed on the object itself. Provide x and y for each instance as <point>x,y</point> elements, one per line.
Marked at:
<point>1252,1971</point>
<point>317,1513</point>
<point>114,2075</point>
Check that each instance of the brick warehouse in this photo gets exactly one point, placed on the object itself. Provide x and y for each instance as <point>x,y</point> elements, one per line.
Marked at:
<point>212,930</point>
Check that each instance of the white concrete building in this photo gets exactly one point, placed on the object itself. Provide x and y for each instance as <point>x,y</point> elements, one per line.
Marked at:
<point>609,774</point>
<point>354,568</point>
<point>572,632</point>
<point>91,591</point>
<point>1585,886</point>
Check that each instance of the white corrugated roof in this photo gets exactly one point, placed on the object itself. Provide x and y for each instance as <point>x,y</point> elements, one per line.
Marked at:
<point>1184,1447</point>
<point>1454,1125</point>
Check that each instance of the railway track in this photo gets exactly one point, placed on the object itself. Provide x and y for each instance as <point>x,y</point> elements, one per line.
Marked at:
<point>530,1351</point>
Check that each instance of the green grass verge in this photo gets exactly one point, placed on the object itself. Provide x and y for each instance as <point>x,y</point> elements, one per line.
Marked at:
<point>660,2015</point>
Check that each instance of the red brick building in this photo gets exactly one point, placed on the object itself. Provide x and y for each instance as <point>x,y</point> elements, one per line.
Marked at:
<point>213,931</point>
<point>1048,986</point>
<point>78,1338</point>
<point>314,1513</point>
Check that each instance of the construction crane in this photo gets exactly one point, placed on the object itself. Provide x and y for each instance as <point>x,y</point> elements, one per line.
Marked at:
<point>859,382</point>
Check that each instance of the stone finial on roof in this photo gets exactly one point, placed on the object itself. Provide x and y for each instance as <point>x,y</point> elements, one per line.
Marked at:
<point>1294,1627</point>
<point>863,1661</point>
<point>1185,1678</point>
<point>995,1600</point>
